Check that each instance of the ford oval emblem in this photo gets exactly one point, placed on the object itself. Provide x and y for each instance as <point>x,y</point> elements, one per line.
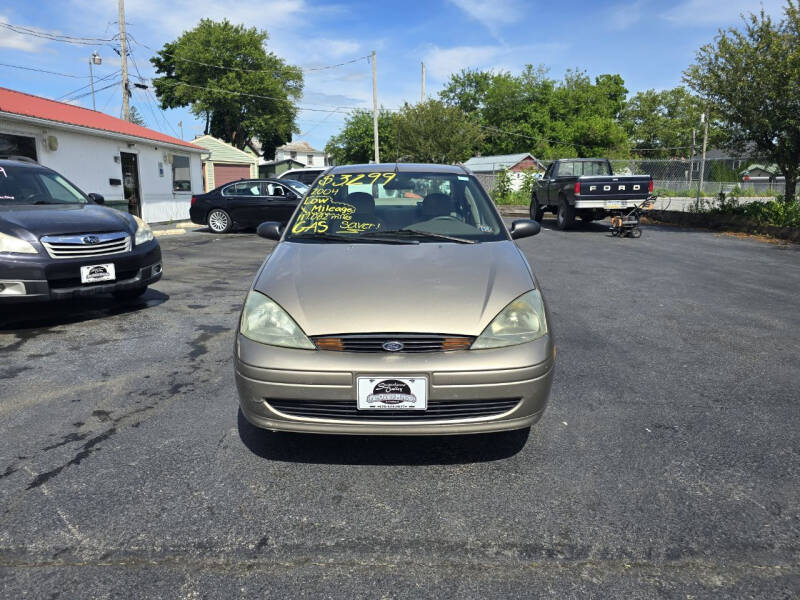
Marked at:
<point>393,346</point>
<point>91,239</point>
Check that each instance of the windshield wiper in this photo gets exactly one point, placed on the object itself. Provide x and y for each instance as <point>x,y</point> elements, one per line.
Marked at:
<point>348,239</point>
<point>409,232</point>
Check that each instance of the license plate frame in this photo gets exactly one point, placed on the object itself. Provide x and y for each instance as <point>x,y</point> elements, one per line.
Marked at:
<point>98,273</point>
<point>395,393</point>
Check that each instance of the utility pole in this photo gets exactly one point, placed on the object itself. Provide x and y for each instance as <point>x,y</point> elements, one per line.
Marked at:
<point>180,124</point>
<point>422,96</point>
<point>94,60</point>
<point>691,158</point>
<point>704,119</point>
<point>374,108</point>
<point>123,48</point>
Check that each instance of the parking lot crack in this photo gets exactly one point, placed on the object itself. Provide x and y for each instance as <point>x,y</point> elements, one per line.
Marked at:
<point>87,449</point>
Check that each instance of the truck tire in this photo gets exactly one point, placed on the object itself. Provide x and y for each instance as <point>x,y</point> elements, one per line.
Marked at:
<point>537,210</point>
<point>565,218</point>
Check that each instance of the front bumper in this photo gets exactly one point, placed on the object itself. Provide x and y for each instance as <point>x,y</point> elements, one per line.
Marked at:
<point>45,278</point>
<point>522,372</point>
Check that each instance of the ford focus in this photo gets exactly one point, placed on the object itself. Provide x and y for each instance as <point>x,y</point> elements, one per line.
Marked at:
<point>396,302</point>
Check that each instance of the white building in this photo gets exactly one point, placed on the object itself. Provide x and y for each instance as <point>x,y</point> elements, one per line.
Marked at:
<point>303,153</point>
<point>136,169</point>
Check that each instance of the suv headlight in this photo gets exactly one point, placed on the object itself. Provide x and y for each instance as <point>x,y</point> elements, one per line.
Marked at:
<point>15,245</point>
<point>265,322</point>
<point>523,320</point>
<point>143,231</point>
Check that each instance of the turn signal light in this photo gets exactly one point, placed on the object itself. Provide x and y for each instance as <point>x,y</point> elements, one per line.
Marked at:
<point>650,187</point>
<point>456,343</point>
<point>331,343</point>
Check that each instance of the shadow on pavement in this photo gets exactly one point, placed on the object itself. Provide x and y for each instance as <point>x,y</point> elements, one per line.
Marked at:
<point>380,450</point>
<point>37,315</point>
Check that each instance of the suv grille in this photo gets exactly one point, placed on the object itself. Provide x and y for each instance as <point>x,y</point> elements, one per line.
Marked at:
<point>437,410</point>
<point>405,342</point>
<point>86,245</point>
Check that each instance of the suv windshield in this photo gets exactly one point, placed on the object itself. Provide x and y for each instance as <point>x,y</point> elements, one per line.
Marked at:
<point>392,206</point>
<point>26,185</point>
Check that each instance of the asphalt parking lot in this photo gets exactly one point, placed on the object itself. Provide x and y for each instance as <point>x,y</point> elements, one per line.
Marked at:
<point>666,465</point>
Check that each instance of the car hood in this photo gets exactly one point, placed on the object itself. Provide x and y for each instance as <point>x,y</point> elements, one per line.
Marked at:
<point>37,221</point>
<point>393,288</point>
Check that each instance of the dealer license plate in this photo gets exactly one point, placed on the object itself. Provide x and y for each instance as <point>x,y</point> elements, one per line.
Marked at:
<point>392,393</point>
<point>95,273</point>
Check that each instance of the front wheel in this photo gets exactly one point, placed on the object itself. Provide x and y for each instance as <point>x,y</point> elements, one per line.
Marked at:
<point>219,221</point>
<point>537,210</point>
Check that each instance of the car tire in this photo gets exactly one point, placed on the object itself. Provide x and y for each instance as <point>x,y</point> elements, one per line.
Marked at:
<point>219,221</point>
<point>537,211</point>
<point>131,294</point>
<point>566,215</point>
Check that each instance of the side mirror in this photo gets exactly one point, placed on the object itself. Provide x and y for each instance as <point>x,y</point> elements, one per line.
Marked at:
<point>523,228</point>
<point>96,198</point>
<point>270,230</point>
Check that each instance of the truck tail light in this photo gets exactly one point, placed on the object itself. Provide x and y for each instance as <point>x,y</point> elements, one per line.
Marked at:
<point>650,186</point>
<point>194,199</point>
<point>577,188</point>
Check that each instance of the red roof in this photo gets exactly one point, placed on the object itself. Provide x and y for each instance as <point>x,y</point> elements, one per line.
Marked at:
<point>60,112</point>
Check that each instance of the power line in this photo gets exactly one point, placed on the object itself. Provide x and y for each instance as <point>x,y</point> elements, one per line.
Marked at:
<point>84,95</point>
<point>55,37</point>
<point>83,87</point>
<point>44,71</point>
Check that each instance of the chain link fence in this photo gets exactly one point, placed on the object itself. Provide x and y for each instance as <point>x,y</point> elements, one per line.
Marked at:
<point>681,177</point>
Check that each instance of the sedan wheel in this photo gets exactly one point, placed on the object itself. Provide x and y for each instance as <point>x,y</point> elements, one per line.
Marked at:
<point>219,221</point>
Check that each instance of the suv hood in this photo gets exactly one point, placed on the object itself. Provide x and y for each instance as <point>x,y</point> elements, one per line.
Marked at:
<point>62,220</point>
<point>392,288</point>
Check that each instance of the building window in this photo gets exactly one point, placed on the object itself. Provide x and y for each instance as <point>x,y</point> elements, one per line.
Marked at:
<point>293,155</point>
<point>17,145</point>
<point>309,160</point>
<point>181,178</point>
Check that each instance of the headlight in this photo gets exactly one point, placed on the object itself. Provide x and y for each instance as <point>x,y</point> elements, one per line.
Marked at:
<point>14,245</point>
<point>265,322</point>
<point>143,231</point>
<point>521,321</point>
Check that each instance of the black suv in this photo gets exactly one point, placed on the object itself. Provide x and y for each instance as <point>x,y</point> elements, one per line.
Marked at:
<point>57,242</point>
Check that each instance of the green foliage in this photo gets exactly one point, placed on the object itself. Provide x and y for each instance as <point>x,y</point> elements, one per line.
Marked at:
<point>136,117</point>
<point>665,119</point>
<point>751,78</point>
<point>433,132</point>
<point>775,212</point>
<point>251,96</point>
<point>355,143</point>
<point>534,113</point>
<point>502,187</point>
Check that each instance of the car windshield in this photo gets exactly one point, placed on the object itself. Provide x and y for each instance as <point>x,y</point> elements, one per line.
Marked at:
<point>26,185</point>
<point>298,186</point>
<point>416,207</point>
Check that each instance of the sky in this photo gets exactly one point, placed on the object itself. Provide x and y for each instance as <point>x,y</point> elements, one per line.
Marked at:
<point>648,42</point>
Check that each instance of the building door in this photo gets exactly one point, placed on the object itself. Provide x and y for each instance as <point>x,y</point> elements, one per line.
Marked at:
<point>226,173</point>
<point>130,182</point>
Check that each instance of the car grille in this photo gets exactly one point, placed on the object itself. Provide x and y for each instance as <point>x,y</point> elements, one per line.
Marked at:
<point>437,410</point>
<point>86,245</point>
<point>411,342</point>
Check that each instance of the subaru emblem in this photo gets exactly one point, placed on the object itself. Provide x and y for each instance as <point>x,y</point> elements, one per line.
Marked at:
<point>393,346</point>
<point>91,239</point>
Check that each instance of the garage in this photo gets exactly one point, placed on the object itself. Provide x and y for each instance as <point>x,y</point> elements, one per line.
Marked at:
<point>224,163</point>
<point>226,173</point>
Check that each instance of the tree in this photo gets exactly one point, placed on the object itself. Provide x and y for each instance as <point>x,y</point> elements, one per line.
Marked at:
<point>355,143</point>
<point>751,78</point>
<point>136,117</point>
<point>532,112</point>
<point>224,73</point>
<point>436,133</point>
<point>664,120</point>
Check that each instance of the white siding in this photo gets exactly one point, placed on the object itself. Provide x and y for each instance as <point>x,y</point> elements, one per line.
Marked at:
<point>87,159</point>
